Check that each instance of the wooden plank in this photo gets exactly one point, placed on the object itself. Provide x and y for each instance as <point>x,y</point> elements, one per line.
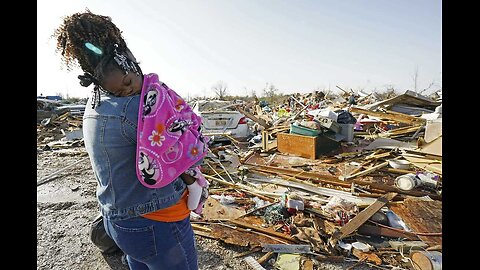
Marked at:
<point>365,172</point>
<point>367,256</point>
<point>326,178</point>
<point>252,263</point>
<point>263,230</point>
<point>377,156</point>
<point>214,210</point>
<point>309,188</point>
<point>242,187</point>
<point>253,117</point>
<point>433,130</point>
<point>363,164</point>
<point>266,144</point>
<point>392,170</point>
<point>265,257</point>
<point>241,237</point>
<point>423,217</point>
<point>304,146</point>
<point>383,231</point>
<point>400,131</point>
<point>307,265</point>
<point>269,145</point>
<point>431,165</point>
<point>200,228</point>
<point>363,216</point>
<point>390,115</point>
<point>248,252</point>
<point>433,148</point>
<point>319,178</point>
<point>204,234</point>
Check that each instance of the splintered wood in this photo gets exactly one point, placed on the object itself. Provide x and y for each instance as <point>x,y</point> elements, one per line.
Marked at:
<point>422,217</point>
<point>240,237</point>
<point>214,210</point>
<point>363,216</point>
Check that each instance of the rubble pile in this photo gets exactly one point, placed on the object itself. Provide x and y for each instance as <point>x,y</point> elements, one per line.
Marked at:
<point>60,131</point>
<point>332,178</point>
<point>322,178</point>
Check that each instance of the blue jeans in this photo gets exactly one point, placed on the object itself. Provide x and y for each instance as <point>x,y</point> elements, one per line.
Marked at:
<point>154,245</point>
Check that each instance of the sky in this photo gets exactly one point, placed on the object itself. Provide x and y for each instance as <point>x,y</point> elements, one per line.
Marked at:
<point>298,46</point>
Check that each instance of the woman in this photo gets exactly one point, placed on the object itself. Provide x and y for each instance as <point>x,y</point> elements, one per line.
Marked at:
<point>150,225</point>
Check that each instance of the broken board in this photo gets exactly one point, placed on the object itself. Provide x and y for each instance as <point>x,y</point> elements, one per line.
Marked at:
<point>214,210</point>
<point>421,216</point>
<point>240,237</point>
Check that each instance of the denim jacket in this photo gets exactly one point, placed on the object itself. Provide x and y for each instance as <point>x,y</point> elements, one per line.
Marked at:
<point>110,136</point>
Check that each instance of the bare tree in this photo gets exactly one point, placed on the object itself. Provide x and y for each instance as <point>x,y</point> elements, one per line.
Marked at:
<point>428,87</point>
<point>269,91</point>
<point>220,89</point>
<point>415,78</point>
<point>253,93</point>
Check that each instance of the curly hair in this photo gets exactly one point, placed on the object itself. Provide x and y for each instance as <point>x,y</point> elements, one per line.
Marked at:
<point>86,27</point>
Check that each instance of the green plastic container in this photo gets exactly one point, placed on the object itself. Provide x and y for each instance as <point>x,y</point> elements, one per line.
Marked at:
<point>294,129</point>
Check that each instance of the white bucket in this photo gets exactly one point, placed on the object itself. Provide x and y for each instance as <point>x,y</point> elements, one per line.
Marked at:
<point>426,260</point>
<point>407,181</point>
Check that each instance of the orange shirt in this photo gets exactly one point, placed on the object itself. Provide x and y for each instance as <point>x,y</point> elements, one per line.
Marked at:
<point>176,212</point>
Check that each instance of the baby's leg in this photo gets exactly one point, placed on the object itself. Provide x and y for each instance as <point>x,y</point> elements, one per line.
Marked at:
<point>194,191</point>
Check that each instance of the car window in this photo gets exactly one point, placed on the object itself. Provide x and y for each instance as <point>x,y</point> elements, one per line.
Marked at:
<point>216,105</point>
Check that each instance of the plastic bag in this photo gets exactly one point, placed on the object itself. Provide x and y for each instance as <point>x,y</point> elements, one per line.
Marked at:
<point>345,117</point>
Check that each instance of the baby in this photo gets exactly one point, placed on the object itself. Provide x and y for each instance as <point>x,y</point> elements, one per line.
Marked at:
<point>169,142</point>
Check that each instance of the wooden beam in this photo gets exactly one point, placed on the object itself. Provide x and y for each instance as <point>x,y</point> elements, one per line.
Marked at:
<point>244,188</point>
<point>382,231</point>
<point>363,164</point>
<point>377,156</point>
<point>367,256</point>
<point>248,252</point>
<point>204,234</point>
<point>253,117</point>
<point>318,178</point>
<point>392,170</point>
<point>265,257</point>
<point>201,228</point>
<point>253,263</point>
<point>365,172</point>
<point>266,145</point>
<point>390,115</point>
<point>363,216</point>
<point>265,231</point>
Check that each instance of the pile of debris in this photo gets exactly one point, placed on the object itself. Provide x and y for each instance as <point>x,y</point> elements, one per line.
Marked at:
<point>324,179</point>
<point>60,131</point>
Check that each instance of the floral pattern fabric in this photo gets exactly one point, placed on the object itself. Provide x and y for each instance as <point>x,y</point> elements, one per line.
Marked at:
<point>168,136</point>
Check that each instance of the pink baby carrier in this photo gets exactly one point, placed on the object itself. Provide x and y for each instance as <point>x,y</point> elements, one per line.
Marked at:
<point>168,138</point>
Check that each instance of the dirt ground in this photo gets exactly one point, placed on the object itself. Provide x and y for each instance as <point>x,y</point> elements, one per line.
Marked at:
<point>66,205</point>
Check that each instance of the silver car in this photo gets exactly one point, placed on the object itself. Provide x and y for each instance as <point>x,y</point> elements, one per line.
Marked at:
<point>219,116</point>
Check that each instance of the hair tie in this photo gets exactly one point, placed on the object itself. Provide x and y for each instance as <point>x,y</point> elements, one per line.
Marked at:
<point>93,48</point>
<point>86,79</point>
<point>122,60</point>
